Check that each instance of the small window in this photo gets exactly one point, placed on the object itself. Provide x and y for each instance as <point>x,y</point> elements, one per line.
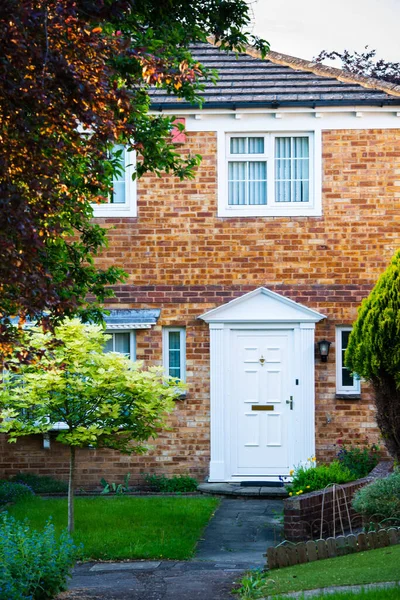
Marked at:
<point>346,382</point>
<point>174,352</point>
<point>122,201</point>
<point>122,342</point>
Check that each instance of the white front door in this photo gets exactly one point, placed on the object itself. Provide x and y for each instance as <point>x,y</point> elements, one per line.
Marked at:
<point>261,415</point>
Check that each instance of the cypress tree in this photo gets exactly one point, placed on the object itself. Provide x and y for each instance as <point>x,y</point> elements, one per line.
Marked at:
<point>374,351</point>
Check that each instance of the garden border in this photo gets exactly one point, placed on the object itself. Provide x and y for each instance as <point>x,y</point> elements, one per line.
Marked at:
<point>287,554</point>
<point>302,514</point>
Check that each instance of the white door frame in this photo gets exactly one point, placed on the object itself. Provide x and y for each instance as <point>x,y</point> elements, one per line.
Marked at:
<point>221,322</point>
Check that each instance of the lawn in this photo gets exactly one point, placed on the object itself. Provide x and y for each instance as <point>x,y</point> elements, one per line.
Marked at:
<point>383,594</point>
<point>366,567</point>
<point>126,527</point>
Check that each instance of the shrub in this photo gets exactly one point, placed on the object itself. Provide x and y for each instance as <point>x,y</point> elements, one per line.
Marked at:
<point>33,564</point>
<point>177,483</point>
<point>360,460</point>
<point>12,492</point>
<point>41,484</point>
<point>310,478</point>
<point>381,498</point>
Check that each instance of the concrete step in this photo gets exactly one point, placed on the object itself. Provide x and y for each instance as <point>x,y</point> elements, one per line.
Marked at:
<point>235,489</point>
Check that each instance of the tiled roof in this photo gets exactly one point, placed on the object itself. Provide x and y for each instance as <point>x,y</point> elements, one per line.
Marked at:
<point>247,80</point>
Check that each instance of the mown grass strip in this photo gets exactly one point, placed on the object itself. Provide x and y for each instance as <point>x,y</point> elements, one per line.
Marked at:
<point>356,569</point>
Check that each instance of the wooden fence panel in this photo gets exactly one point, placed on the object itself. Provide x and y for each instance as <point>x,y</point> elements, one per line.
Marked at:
<point>352,543</point>
<point>286,555</point>
<point>302,552</point>
<point>311,551</point>
<point>322,550</point>
<point>362,542</point>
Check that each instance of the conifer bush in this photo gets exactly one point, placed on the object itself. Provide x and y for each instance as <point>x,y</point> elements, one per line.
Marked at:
<point>374,351</point>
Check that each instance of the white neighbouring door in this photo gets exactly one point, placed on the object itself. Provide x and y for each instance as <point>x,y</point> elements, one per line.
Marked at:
<point>261,357</point>
<point>261,389</point>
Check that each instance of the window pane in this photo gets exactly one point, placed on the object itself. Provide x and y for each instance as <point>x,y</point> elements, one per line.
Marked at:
<point>282,169</point>
<point>256,145</point>
<point>122,343</point>
<point>300,147</point>
<point>237,183</point>
<point>282,191</point>
<point>292,169</point>
<point>282,147</point>
<point>109,345</point>
<point>347,379</point>
<point>345,339</point>
<point>300,191</point>
<point>257,183</point>
<point>174,353</point>
<point>239,145</point>
<point>300,168</point>
<point>118,196</point>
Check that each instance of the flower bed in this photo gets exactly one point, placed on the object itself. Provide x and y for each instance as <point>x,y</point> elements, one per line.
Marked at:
<point>303,513</point>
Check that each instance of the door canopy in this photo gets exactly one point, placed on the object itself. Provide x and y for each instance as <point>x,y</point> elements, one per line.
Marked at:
<point>262,305</point>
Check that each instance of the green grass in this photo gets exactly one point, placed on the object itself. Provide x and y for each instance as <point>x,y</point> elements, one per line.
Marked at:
<point>383,594</point>
<point>126,527</point>
<point>357,569</point>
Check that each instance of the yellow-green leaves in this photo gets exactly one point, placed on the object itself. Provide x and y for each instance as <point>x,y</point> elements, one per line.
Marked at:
<point>104,399</point>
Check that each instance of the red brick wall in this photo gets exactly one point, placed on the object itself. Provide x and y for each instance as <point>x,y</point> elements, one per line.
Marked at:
<point>302,515</point>
<point>183,258</point>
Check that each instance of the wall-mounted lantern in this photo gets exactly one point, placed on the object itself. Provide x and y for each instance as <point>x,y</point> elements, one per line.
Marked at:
<point>323,349</point>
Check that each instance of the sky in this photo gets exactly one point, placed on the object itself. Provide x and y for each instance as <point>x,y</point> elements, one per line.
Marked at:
<point>303,28</point>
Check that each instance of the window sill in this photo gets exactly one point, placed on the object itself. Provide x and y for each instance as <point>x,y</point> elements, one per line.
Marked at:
<point>108,210</point>
<point>269,212</point>
<point>348,396</point>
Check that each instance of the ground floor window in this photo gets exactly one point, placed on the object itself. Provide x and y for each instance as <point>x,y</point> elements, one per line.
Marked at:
<point>123,342</point>
<point>174,352</point>
<point>346,382</point>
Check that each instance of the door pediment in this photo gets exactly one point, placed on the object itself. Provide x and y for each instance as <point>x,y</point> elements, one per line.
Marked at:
<point>262,305</point>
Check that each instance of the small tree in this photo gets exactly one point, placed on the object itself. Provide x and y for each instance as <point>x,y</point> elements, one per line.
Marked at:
<point>374,351</point>
<point>364,63</point>
<point>104,399</point>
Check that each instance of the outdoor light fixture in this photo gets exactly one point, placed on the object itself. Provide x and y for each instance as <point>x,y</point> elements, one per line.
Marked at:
<point>323,348</point>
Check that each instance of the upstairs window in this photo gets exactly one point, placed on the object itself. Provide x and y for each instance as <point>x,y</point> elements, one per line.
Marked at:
<point>346,382</point>
<point>268,175</point>
<point>122,201</point>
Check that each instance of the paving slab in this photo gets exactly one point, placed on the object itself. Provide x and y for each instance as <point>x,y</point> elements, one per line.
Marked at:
<point>234,541</point>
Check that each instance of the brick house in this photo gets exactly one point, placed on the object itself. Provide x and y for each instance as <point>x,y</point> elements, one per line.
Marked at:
<point>235,276</point>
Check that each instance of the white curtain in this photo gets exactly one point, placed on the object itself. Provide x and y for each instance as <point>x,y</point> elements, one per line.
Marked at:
<point>247,182</point>
<point>247,145</point>
<point>291,169</point>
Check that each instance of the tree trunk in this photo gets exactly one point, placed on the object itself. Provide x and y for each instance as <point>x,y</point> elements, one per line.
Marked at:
<point>71,489</point>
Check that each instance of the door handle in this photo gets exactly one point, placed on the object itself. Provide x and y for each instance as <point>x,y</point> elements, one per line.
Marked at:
<point>290,402</point>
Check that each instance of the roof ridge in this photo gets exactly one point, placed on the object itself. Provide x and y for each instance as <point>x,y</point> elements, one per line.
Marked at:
<point>319,69</point>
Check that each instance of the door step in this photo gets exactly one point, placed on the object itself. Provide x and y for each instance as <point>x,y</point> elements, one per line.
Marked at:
<point>254,490</point>
<point>276,484</point>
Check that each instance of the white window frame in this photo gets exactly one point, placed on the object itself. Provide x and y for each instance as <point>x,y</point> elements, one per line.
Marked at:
<point>272,208</point>
<point>132,340</point>
<point>129,207</point>
<point>165,349</point>
<point>340,388</point>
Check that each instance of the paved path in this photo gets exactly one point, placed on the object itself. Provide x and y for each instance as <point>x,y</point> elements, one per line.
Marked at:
<point>234,541</point>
